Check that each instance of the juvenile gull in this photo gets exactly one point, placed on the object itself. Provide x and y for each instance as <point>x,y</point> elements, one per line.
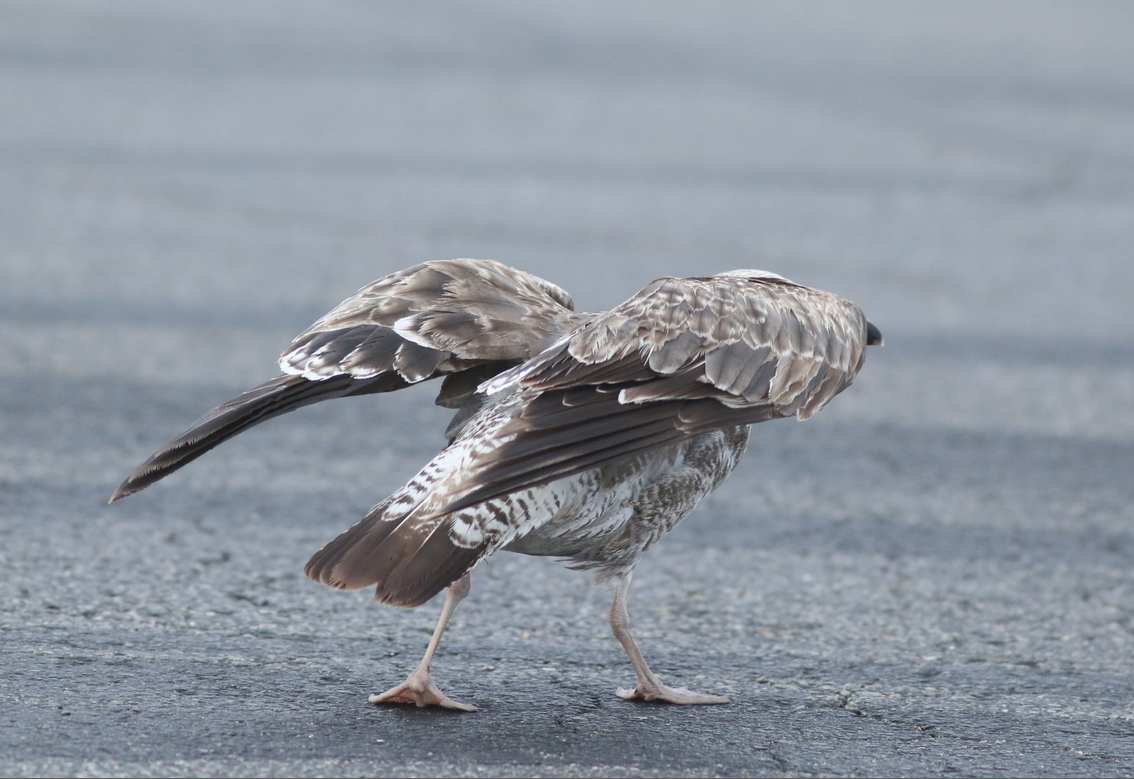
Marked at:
<point>583,436</point>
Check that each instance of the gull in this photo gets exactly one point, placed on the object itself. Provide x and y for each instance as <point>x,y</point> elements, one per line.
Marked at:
<point>581,436</point>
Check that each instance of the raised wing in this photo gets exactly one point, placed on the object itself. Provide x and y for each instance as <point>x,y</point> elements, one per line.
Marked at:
<point>432,319</point>
<point>466,320</point>
<point>682,357</point>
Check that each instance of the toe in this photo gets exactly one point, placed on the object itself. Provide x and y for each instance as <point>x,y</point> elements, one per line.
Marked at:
<point>684,696</point>
<point>420,692</point>
<point>680,695</point>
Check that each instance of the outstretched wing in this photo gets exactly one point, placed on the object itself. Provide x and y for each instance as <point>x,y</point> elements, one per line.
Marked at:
<point>466,320</point>
<point>682,357</point>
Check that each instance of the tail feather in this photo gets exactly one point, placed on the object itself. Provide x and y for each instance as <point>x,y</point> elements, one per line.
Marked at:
<point>435,564</point>
<point>360,541</point>
<point>278,396</point>
<point>409,559</point>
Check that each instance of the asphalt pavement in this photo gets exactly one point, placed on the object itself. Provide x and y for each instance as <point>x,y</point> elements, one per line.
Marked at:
<point>931,577</point>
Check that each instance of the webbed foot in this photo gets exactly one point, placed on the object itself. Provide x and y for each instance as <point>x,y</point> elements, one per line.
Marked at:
<point>420,690</point>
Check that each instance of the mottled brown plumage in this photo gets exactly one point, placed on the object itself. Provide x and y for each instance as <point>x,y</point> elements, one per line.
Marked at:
<point>581,436</point>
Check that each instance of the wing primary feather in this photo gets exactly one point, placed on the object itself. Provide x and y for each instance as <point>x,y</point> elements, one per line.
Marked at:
<point>591,458</point>
<point>570,407</point>
<point>561,441</point>
<point>278,396</point>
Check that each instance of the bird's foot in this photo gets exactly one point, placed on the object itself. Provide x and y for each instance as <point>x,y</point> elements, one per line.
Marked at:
<point>419,689</point>
<point>656,691</point>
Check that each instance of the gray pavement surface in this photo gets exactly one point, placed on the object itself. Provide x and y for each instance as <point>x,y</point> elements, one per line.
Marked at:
<point>932,577</point>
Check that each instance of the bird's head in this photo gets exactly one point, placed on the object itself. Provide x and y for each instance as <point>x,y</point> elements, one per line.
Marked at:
<point>873,335</point>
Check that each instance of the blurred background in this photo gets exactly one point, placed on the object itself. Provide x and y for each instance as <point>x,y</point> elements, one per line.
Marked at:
<point>184,186</point>
<point>962,171</point>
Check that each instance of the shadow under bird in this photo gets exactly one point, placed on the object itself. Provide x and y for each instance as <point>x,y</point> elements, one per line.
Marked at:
<point>583,436</point>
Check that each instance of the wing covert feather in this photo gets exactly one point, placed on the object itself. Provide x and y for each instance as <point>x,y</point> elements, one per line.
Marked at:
<point>680,358</point>
<point>433,319</point>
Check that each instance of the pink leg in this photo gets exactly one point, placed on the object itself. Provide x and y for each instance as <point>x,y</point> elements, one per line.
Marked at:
<point>649,686</point>
<point>418,687</point>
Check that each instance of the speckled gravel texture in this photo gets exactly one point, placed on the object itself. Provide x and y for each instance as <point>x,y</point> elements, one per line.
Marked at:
<point>934,576</point>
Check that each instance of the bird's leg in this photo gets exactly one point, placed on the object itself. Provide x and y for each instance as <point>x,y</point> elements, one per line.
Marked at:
<point>649,686</point>
<point>419,687</point>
